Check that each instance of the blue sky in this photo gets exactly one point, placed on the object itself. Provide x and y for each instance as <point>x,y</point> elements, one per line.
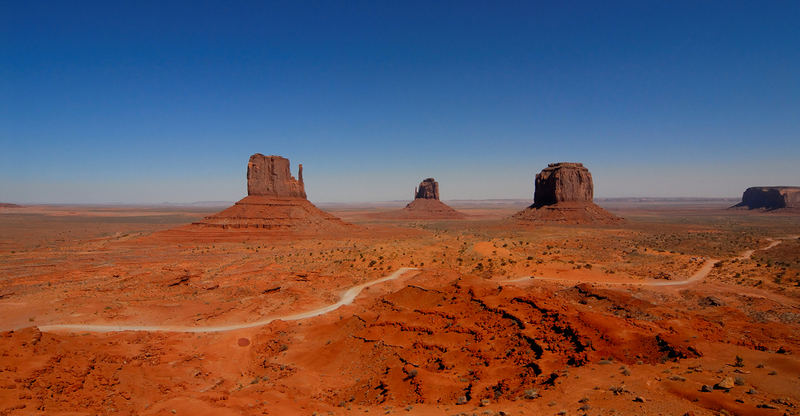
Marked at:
<point>165,101</point>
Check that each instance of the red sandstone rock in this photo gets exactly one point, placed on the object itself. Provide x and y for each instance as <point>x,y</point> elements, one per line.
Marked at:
<point>276,201</point>
<point>425,206</point>
<point>564,194</point>
<point>563,182</point>
<point>428,189</point>
<point>771,197</point>
<point>270,176</point>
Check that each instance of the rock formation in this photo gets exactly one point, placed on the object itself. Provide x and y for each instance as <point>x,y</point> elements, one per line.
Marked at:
<point>270,176</point>
<point>563,182</point>
<point>771,197</point>
<point>275,201</point>
<point>428,189</point>
<point>564,194</point>
<point>425,206</point>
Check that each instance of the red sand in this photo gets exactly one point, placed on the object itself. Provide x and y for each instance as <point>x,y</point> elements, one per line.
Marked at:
<point>464,334</point>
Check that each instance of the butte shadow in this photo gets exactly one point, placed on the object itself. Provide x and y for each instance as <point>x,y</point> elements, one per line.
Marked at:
<point>425,206</point>
<point>564,194</point>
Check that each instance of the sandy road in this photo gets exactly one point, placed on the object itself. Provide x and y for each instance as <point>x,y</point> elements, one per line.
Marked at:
<point>696,277</point>
<point>772,243</point>
<point>347,298</point>
<point>350,294</point>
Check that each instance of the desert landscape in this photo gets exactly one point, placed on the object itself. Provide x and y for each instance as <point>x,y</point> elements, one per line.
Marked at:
<point>274,306</point>
<point>431,208</point>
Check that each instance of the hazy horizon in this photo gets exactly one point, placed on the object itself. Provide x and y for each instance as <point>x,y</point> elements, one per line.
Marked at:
<point>154,102</point>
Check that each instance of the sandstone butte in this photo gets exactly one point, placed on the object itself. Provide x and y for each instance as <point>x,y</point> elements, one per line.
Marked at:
<point>564,193</point>
<point>771,198</point>
<point>275,201</point>
<point>426,205</point>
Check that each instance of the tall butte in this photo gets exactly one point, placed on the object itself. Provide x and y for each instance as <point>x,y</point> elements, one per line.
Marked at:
<point>564,193</point>
<point>426,204</point>
<point>275,201</point>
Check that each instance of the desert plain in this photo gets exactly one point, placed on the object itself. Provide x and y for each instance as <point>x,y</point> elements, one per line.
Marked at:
<point>684,307</point>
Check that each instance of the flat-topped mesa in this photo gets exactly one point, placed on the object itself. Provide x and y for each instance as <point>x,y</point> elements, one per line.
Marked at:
<point>563,182</point>
<point>270,176</point>
<point>428,189</point>
<point>564,194</point>
<point>771,197</point>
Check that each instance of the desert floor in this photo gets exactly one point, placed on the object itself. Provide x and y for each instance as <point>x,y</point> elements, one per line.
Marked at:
<point>683,308</point>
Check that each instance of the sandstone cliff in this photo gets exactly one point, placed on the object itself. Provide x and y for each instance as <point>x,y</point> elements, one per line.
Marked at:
<point>425,206</point>
<point>275,201</point>
<point>564,194</point>
<point>771,197</point>
<point>428,189</point>
<point>563,182</point>
<point>270,176</point>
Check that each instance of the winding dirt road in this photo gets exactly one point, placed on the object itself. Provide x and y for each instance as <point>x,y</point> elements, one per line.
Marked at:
<point>350,294</point>
<point>347,298</point>
<point>694,278</point>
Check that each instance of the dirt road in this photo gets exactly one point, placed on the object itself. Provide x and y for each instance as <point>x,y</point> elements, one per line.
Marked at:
<point>347,298</point>
<point>350,294</point>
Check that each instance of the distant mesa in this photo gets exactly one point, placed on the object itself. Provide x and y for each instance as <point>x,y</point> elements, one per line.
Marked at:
<point>564,193</point>
<point>275,201</point>
<point>770,198</point>
<point>426,205</point>
<point>7,205</point>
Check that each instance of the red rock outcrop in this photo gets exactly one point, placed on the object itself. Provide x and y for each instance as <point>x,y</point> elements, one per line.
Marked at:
<point>270,176</point>
<point>563,182</point>
<point>425,206</point>
<point>275,201</point>
<point>564,194</point>
<point>428,189</point>
<point>771,197</point>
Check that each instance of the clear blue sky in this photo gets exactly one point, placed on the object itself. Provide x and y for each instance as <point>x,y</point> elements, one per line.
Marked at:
<point>164,101</point>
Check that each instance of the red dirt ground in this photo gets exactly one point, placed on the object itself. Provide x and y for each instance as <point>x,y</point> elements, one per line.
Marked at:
<point>468,332</point>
